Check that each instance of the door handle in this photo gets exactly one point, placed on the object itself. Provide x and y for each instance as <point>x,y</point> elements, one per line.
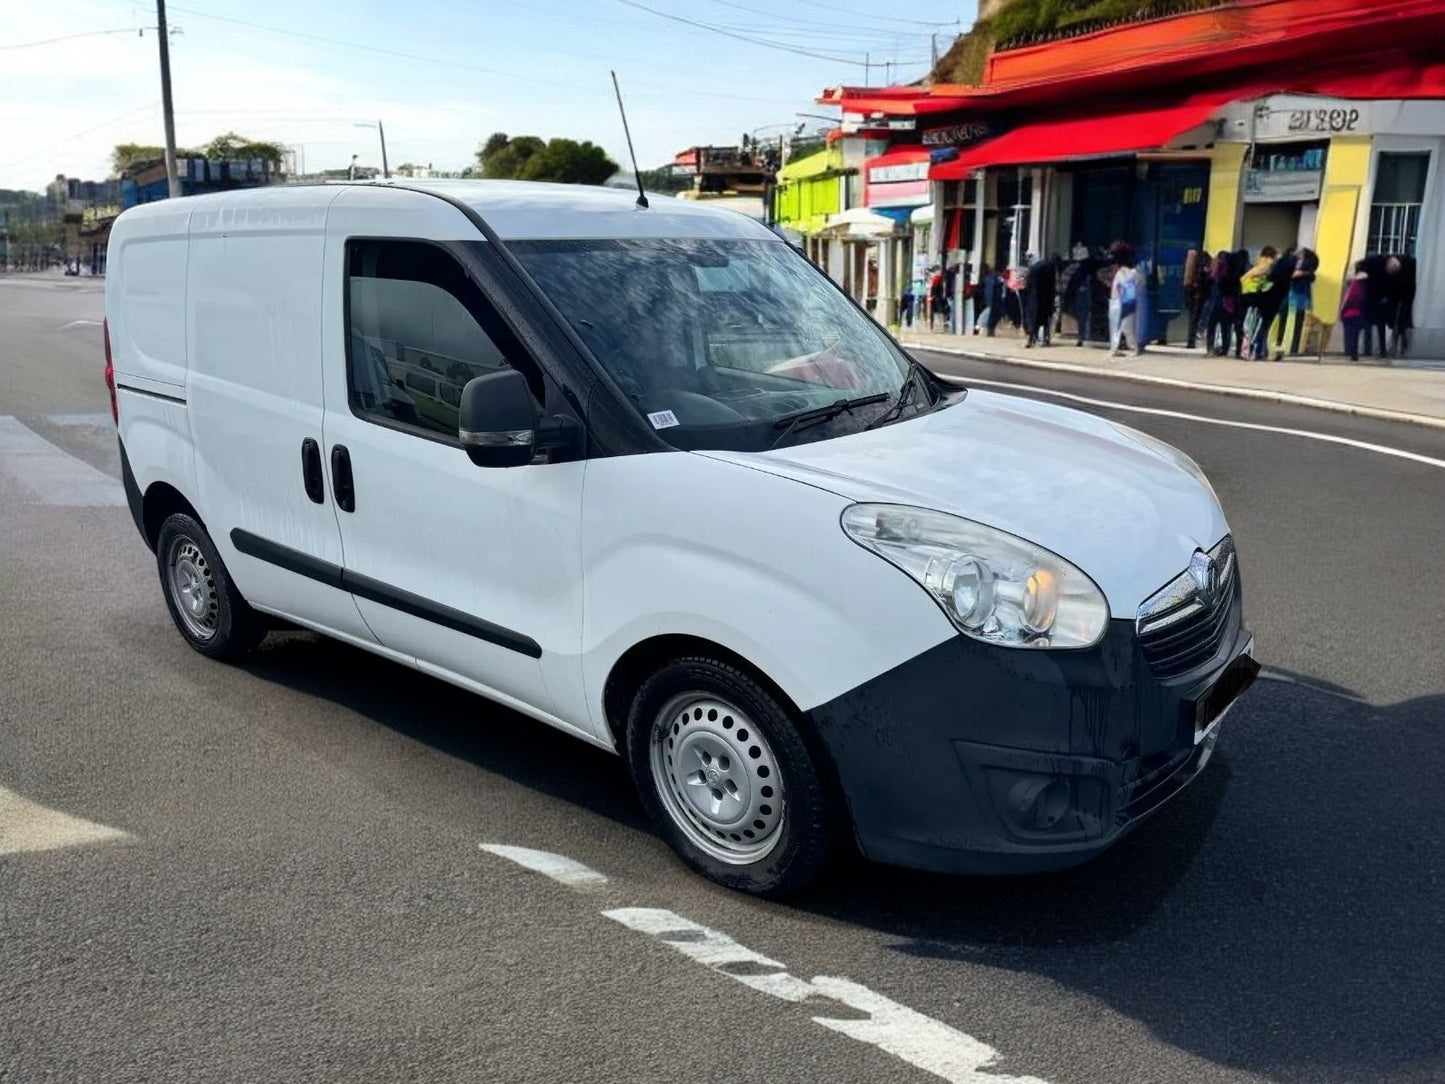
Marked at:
<point>311,471</point>
<point>342,486</point>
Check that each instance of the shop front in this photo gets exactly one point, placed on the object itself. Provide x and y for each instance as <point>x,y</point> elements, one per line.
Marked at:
<point>810,188</point>
<point>895,188</point>
<point>1352,178</point>
<point>1139,177</point>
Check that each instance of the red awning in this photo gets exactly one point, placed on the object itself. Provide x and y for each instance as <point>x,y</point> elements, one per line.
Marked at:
<point>898,156</point>
<point>1090,137</point>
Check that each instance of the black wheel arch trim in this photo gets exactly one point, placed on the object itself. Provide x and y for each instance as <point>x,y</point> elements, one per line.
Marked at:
<point>372,590</point>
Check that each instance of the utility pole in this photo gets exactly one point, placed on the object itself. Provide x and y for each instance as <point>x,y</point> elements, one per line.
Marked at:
<point>385,169</point>
<point>867,69</point>
<point>934,52</point>
<point>173,177</point>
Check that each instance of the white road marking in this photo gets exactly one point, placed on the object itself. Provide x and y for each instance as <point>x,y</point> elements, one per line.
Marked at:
<point>52,475</point>
<point>928,1044</point>
<point>917,1039</point>
<point>1307,434</point>
<point>101,420</point>
<point>79,323</point>
<point>559,867</point>
<point>26,826</point>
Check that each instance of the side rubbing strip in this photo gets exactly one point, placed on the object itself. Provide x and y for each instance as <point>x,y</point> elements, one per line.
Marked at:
<point>149,394</point>
<point>375,591</point>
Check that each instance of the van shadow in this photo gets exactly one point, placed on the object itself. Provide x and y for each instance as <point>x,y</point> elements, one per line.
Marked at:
<point>452,721</point>
<point>1284,915</point>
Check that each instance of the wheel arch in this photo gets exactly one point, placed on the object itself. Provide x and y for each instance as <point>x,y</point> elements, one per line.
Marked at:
<point>647,656</point>
<point>644,658</point>
<point>161,501</point>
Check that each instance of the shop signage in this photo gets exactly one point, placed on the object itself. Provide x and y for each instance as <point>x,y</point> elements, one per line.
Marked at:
<point>857,122</point>
<point>907,171</point>
<point>957,135</point>
<point>1290,116</point>
<point>1282,186</point>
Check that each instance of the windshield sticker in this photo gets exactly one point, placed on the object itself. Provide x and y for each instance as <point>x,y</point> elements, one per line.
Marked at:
<point>663,419</point>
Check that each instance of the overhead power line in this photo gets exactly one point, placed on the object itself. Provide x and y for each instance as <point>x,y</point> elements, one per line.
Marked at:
<point>742,37</point>
<point>381,50</point>
<point>73,37</point>
<point>836,25</point>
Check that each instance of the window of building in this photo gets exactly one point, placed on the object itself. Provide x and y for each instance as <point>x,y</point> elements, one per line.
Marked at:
<point>1399,197</point>
<point>420,329</point>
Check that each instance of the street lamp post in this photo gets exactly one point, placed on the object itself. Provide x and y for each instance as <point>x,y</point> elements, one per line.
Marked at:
<point>380,131</point>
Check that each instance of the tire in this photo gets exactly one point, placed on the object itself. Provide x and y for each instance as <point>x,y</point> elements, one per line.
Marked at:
<point>729,779</point>
<point>204,602</point>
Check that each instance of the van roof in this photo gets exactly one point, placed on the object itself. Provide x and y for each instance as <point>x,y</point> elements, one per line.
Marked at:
<point>516,210</point>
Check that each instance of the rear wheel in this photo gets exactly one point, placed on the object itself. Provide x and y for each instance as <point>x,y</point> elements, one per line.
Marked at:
<point>729,778</point>
<point>204,603</point>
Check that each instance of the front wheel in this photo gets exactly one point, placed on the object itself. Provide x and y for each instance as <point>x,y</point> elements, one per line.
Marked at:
<point>729,779</point>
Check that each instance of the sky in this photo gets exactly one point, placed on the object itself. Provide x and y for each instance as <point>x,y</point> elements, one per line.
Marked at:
<point>441,75</point>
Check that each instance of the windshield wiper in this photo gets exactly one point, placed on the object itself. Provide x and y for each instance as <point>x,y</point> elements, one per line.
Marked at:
<point>902,402</point>
<point>790,423</point>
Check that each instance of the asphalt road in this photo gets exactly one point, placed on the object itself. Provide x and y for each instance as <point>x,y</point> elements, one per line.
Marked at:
<point>299,893</point>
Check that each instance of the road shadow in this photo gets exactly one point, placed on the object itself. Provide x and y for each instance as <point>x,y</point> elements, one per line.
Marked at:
<point>1285,915</point>
<point>452,721</point>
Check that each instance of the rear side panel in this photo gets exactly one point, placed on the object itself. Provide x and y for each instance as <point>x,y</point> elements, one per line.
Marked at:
<point>145,298</point>
<point>255,392</point>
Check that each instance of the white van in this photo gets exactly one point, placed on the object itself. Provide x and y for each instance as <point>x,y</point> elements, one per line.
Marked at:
<point>647,475</point>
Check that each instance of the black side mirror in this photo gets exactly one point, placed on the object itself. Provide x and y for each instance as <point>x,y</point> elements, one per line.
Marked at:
<point>498,420</point>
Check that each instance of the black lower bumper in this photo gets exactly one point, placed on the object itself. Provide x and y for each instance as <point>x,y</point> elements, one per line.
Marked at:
<point>133,496</point>
<point>979,759</point>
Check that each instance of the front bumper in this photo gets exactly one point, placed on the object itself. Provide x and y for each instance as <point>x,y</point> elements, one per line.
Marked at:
<point>977,759</point>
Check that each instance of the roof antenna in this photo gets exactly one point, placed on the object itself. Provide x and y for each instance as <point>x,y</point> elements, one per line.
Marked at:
<point>641,195</point>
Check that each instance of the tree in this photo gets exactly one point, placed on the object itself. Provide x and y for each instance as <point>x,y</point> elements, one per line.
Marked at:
<point>129,157</point>
<point>505,158</point>
<point>495,142</point>
<point>529,158</point>
<point>233,146</point>
<point>133,157</point>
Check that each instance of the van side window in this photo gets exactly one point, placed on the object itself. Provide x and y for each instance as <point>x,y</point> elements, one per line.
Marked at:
<point>419,330</point>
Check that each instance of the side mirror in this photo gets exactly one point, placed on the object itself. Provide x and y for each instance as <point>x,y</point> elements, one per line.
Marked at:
<point>498,420</point>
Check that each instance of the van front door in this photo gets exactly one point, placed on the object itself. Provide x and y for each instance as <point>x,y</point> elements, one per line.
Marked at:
<point>474,571</point>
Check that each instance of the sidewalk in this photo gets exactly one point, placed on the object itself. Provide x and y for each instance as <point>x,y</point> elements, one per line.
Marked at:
<point>1410,389</point>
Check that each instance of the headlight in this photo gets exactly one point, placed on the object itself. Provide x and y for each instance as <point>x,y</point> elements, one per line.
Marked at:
<point>994,586</point>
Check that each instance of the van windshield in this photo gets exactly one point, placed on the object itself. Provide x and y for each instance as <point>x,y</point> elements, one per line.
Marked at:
<point>720,344</point>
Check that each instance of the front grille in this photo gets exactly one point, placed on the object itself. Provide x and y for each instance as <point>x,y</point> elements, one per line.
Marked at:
<point>1182,625</point>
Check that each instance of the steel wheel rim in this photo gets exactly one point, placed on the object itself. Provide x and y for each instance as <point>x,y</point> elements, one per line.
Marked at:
<point>718,778</point>
<point>193,588</point>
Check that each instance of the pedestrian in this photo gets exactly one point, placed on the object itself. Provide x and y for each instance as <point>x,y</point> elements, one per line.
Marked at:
<point>1352,310</point>
<point>1253,288</point>
<point>1126,299</point>
<point>1196,293</point>
<point>937,296</point>
<point>1400,302</point>
<point>1376,305</point>
<point>1039,303</point>
<point>1077,290</point>
<point>906,310</point>
<point>1299,302</point>
<point>1272,303</point>
<point>1223,302</point>
<point>988,289</point>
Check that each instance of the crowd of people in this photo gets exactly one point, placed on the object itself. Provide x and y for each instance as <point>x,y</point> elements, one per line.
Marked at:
<point>1238,307</point>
